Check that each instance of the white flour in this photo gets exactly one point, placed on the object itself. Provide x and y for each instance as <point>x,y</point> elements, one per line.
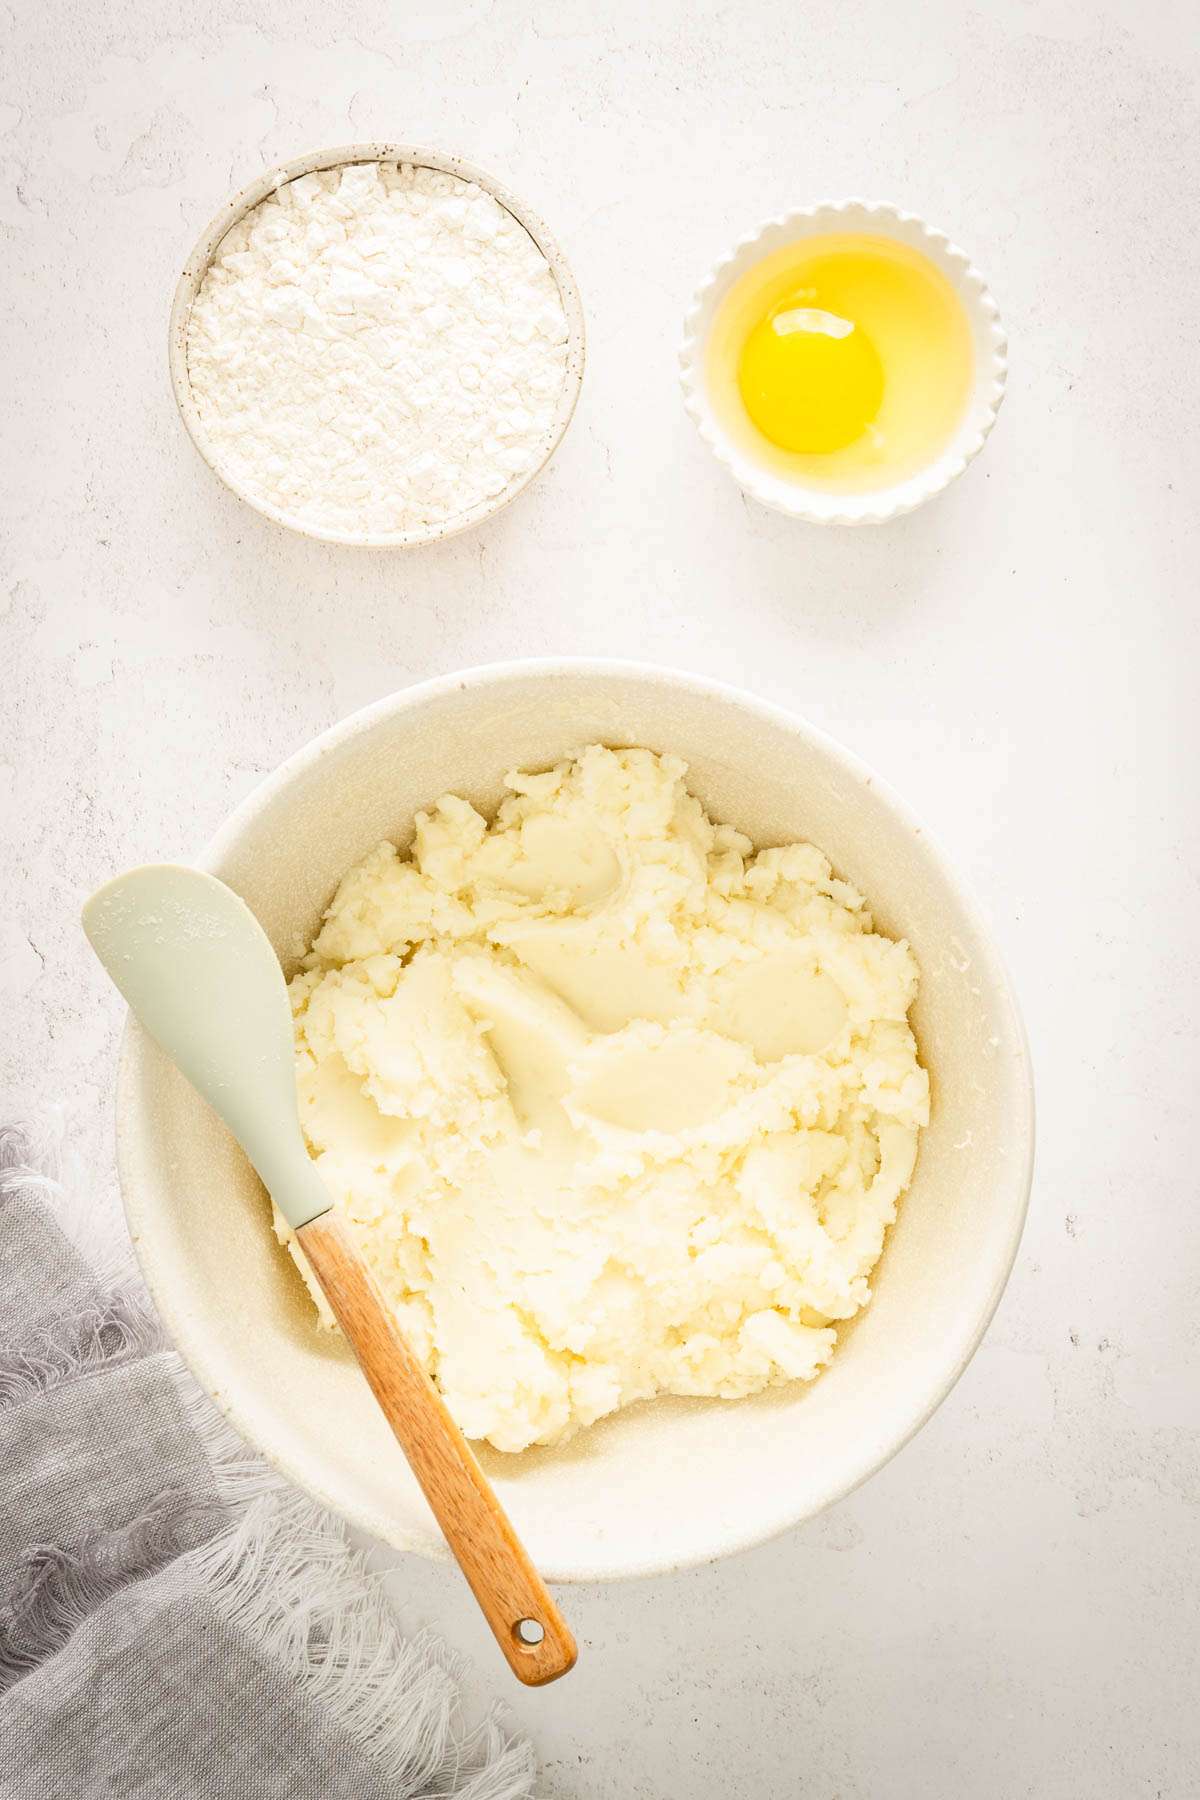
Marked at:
<point>376,349</point>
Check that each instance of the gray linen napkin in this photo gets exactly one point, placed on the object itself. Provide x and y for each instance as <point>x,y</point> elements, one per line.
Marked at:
<point>175,1620</point>
<point>71,1264</point>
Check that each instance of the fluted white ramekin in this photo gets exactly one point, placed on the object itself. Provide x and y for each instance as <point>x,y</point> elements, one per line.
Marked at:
<point>788,494</point>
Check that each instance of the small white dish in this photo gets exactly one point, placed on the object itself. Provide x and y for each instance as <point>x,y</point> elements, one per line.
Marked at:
<point>269,183</point>
<point>789,494</point>
<point>674,1482</point>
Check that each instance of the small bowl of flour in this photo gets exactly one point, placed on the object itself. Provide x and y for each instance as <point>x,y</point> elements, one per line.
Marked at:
<point>376,345</point>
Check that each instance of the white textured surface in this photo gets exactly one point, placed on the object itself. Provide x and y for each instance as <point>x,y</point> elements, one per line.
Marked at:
<point>1010,1608</point>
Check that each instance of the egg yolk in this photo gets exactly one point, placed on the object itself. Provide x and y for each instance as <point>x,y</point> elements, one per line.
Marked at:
<point>810,380</point>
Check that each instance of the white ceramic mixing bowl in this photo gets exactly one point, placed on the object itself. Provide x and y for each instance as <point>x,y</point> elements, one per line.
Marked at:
<point>667,1483</point>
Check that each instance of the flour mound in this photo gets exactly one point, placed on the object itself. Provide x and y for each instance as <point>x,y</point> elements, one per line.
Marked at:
<point>377,348</point>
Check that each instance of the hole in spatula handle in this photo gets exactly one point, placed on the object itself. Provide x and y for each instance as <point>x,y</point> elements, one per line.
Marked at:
<point>528,1633</point>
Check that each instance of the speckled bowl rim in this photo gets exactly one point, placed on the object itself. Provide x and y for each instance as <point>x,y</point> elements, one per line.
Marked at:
<point>822,506</point>
<point>139,1197</point>
<point>269,183</point>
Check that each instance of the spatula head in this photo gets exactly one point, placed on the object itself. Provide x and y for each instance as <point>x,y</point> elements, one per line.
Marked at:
<point>199,972</point>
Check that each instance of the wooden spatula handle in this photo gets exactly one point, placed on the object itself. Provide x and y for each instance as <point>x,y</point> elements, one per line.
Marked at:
<point>510,1592</point>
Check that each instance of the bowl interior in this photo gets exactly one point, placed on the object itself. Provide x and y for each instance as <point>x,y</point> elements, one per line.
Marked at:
<point>669,1482</point>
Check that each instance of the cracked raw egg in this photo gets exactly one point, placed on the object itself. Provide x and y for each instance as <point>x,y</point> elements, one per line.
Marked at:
<point>843,360</point>
<point>811,380</point>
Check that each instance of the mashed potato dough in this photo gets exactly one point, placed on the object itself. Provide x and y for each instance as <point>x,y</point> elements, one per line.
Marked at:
<point>615,1106</point>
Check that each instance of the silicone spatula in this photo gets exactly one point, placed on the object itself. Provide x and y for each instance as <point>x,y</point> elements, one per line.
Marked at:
<point>199,972</point>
